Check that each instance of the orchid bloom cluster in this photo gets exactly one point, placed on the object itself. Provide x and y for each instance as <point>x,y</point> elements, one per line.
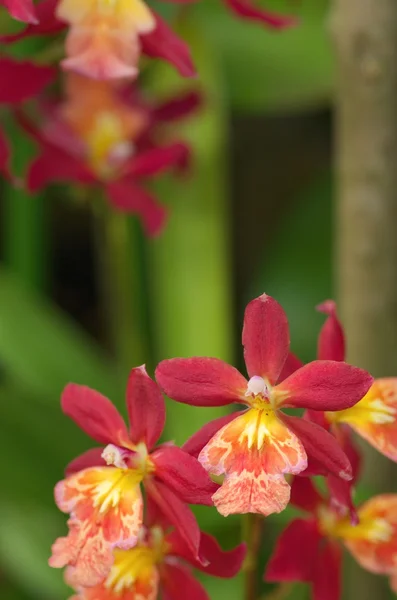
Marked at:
<point>131,531</point>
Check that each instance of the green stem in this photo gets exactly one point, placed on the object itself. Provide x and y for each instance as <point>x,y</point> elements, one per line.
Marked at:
<point>120,275</point>
<point>252,533</point>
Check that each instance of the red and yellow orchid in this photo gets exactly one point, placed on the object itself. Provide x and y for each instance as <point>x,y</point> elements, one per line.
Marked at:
<point>105,136</point>
<point>310,550</point>
<point>161,563</point>
<point>102,488</point>
<point>256,448</point>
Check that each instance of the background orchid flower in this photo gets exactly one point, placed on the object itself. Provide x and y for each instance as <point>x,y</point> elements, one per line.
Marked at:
<point>22,10</point>
<point>104,137</point>
<point>310,549</point>
<point>102,488</point>
<point>257,447</point>
<point>161,563</point>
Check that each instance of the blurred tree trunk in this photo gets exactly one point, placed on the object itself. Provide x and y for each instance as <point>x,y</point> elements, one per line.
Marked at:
<point>365,37</point>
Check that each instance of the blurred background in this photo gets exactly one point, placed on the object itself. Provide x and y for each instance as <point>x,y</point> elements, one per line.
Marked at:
<point>254,214</point>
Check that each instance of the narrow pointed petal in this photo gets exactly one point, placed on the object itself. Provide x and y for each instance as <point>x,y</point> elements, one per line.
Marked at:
<point>327,574</point>
<point>177,513</point>
<point>178,107</point>
<point>245,9</point>
<point>320,446</point>
<point>265,338</point>
<point>375,548</point>
<point>54,165</point>
<point>341,494</point>
<point>201,381</point>
<point>375,417</point>
<point>94,414</point>
<point>128,197</point>
<point>324,385</point>
<point>163,43</point>
<point>196,443</point>
<point>106,511</point>
<point>305,495</point>
<point>25,80</point>
<point>295,553</point>
<point>221,563</point>
<point>47,23</point>
<point>90,458</point>
<point>184,475</point>
<point>254,452</point>
<point>178,583</point>
<point>331,341</point>
<point>157,160</point>
<point>22,10</point>
<point>291,365</point>
<point>146,408</point>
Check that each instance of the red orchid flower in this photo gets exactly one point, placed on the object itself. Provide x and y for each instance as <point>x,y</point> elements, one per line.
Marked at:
<point>106,43</point>
<point>22,10</point>
<point>257,447</point>
<point>309,550</point>
<point>161,563</point>
<point>100,137</point>
<point>25,80</point>
<point>102,488</point>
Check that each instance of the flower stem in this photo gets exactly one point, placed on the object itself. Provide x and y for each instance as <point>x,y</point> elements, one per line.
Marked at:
<point>252,532</point>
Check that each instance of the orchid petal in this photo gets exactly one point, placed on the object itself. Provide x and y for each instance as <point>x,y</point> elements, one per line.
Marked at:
<point>90,458</point>
<point>94,414</point>
<point>291,365</point>
<point>295,553</point>
<point>265,338</point>
<point>327,574</point>
<point>163,43</point>
<point>22,10</point>
<point>146,408</point>
<point>178,583</point>
<point>331,341</point>
<point>24,80</point>
<point>324,385</point>
<point>198,440</point>
<point>320,446</point>
<point>244,8</point>
<point>55,165</point>
<point>178,107</point>
<point>254,452</point>
<point>201,381</point>
<point>128,197</point>
<point>341,496</point>
<point>47,23</point>
<point>156,160</point>
<point>305,495</point>
<point>4,155</point>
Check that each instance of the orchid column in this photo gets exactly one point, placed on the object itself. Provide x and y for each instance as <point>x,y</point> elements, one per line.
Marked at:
<point>364,33</point>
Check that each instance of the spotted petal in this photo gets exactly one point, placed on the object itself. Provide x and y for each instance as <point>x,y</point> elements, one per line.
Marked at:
<point>375,417</point>
<point>106,506</point>
<point>254,452</point>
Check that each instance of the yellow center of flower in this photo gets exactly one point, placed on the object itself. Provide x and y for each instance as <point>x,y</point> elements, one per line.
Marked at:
<point>369,410</point>
<point>374,529</point>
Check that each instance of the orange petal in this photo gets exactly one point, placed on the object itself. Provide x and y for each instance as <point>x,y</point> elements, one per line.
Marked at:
<point>133,576</point>
<point>254,452</point>
<point>106,508</point>
<point>373,542</point>
<point>375,417</point>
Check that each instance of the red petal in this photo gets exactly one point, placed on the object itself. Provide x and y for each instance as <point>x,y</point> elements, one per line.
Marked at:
<point>265,338</point>
<point>4,155</point>
<point>47,23</point>
<point>291,365</point>
<point>146,408</point>
<point>305,495</point>
<point>196,443</point>
<point>327,574</point>
<point>295,553</point>
<point>24,80</point>
<point>157,160</point>
<point>177,513</point>
<point>331,341</point>
<point>244,8</point>
<point>94,414</point>
<point>221,563</point>
<point>178,583</point>
<point>201,381</point>
<point>178,107</point>
<point>54,165</point>
<point>163,43</point>
<point>184,475</point>
<point>320,446</point>
<point>341,493</point>
<point>23,10</point>
<point>325,385</point>
<point>90,458</point>
<point>128,197</point>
